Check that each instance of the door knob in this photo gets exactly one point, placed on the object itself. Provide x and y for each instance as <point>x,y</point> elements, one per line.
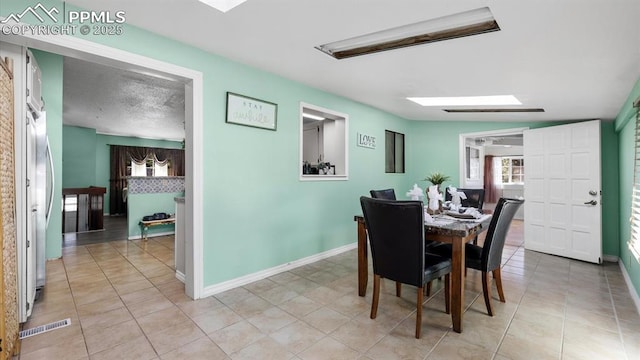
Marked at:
<point>592,202</point>
<point>593,192</point>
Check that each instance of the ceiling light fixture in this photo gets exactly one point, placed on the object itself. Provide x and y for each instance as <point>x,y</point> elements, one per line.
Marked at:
<point>466,100</point>
<point>472,22</point>
<point>520,110</point>
<point>313,117</point>
<point>222,5</point>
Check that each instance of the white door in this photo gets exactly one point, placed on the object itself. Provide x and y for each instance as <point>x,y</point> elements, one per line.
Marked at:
<point>562,191</point>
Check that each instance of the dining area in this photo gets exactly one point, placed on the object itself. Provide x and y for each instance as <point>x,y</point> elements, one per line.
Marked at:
<point>413,245</point>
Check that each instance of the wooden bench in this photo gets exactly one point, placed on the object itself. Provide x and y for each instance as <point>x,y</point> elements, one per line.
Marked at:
<point>145,225</point>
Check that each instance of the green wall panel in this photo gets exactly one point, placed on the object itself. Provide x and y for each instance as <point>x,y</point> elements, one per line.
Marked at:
<point>610,190</point>
<point>78,157</point>
<point>627,112</point>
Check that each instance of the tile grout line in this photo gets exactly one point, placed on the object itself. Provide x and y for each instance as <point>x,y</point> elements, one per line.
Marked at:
<point>506,329</point>
<point>564,315</point>
<point>173,303</point>
<point>615,313</point>
<point>120,296</point>
<point>122,300</point>
<point>75,305</point>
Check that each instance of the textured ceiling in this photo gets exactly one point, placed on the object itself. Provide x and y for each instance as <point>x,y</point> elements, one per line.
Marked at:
<point>121,102</point>
<point>577,59</point>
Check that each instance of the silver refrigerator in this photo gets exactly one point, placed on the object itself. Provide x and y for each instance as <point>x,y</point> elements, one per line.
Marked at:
<point>39,194</point>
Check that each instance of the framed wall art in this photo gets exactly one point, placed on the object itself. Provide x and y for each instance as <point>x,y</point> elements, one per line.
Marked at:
<point>248,111</point>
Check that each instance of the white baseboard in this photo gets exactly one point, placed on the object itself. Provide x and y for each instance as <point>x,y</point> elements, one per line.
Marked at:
<point>243,280</point>
<point>137,237</point>
<point>610,258</point>
<point>632,289</point>
<point>180,276</point>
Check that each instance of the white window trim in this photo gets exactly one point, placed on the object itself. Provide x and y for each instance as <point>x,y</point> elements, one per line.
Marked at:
<point>634,235</point>
<point>515,157</point>
<point>462,141</point>
<point>344,176</point>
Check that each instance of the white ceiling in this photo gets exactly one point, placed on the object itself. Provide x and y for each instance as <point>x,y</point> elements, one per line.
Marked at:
<point>577,59</point>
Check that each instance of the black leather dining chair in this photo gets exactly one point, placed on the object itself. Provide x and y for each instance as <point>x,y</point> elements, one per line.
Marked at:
<point>390,194</point>
<point>488,258</point>
<point>475,198</point>
<point>396,235</point>
<point>387,194</point>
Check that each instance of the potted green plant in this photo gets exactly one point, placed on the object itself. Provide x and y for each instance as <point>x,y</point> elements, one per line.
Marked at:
<point>436,178</point>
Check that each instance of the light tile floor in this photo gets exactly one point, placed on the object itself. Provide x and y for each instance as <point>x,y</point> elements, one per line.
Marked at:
<point>125,303</point>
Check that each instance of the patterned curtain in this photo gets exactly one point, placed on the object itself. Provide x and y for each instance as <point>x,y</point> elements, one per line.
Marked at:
<point>120,157</point>
<point>175,158</point>
<point>161,155</point>
<point>138,154</point>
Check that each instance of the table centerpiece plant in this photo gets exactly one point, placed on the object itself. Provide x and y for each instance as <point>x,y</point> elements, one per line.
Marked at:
<point>436,178</point>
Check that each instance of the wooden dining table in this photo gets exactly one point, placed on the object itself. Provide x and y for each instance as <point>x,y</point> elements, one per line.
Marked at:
<point>453,231</point>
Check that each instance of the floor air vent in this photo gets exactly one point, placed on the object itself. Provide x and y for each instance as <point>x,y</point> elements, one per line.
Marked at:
<point>44,328</point>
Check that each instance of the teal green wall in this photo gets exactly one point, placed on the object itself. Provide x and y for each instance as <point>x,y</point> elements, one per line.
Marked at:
<point>86,156</point>
<point>86,162</point>
<point>434,146</point>
<point>140,205</point>
<point>78,157</point>
<point>626,126</point>
<point>255,208</point>
<point>52,71</point>
<point>610,189</point>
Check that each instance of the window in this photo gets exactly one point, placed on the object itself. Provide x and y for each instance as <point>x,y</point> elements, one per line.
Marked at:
<point>323,144</point>
<point>472,163</point>
<point>150,167</point>
<point>394,152</point>
<point>161,169</point>
<point>138,169</point>
<point>512,169</point>
<point>634,241</point>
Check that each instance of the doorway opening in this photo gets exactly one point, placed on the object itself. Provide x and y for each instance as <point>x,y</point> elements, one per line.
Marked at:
<point>193,85</point>
<point>493,161</point>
